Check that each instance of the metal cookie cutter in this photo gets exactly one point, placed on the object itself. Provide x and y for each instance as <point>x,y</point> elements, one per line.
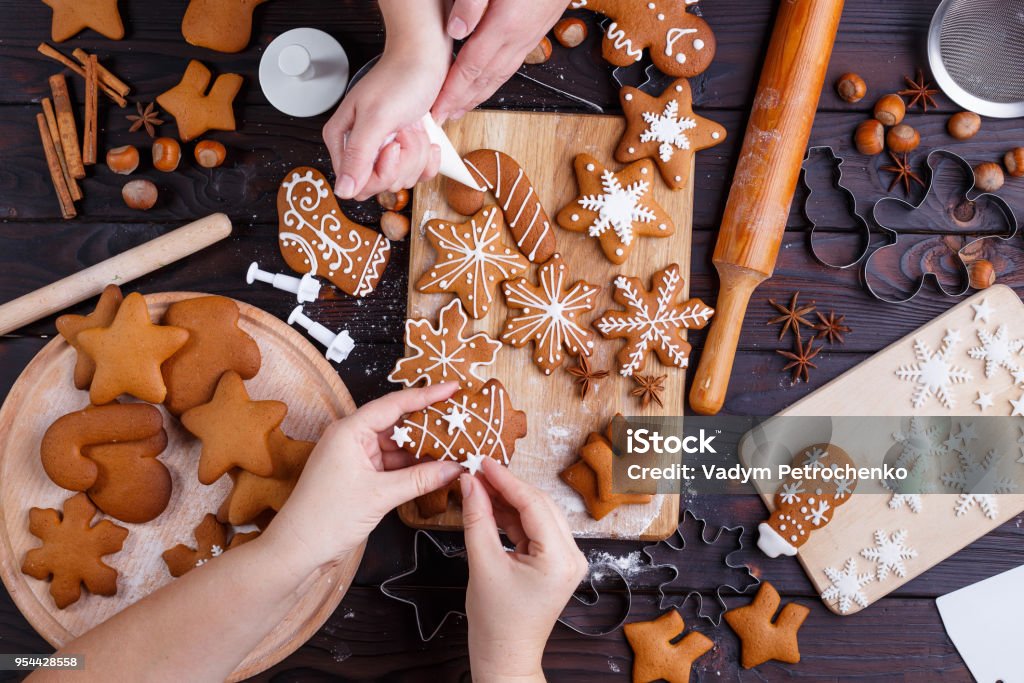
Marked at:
<point>452,564</point>
<point>862,226</point>
<point>975,210</point>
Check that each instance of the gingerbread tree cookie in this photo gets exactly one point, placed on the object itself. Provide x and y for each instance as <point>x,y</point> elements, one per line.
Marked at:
<point>252,494</point>
<point>763,637</point>
<point>211,541</point>
<point>653,320</point>
<point>73,549</point>
<point>444,353</point>
<point>468,427</point>
<point>666,130</point>
<point>70,326</point>
<point>615,208</point>
<point>71,17</point>
<point>194,109</point>
<point>549,315</point>
<point>656,657</point>
<point>471,260</point>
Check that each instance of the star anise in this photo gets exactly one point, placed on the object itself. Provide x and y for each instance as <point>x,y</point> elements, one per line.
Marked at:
<point>920,91</point>
<point>148,118</point>
<point>831,327</point>
<point>904,172</point>
<point>585,377</point>
<point>801,359</point>
<point>792,317</point>
<point>649,388</point>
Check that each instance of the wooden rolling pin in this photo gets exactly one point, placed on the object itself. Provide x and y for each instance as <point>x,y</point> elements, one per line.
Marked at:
<point>119,269</point>
<point>765,180</point>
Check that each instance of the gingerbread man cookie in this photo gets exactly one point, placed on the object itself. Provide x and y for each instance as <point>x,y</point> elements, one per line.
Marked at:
<point>764,637</point>
<point>615,208</point>
<point>444,353</point>
<point>73,549</point>
<point>194,109</point>
<point>468,427</point>
<point>235,430</point>
<point>505,178</point>
<point>215,345</point>
<point>548,315</point>
<point>471,260</point>
<point>252,494</point>
<point>211,541</point>
<point>102,316</point>
<point>315,236</point>
<point>128,354</point>
<point>666,130</point>
<point>659,653</point>
<point>681,44</point>
<point>221,25</point>
<point>71,17</point>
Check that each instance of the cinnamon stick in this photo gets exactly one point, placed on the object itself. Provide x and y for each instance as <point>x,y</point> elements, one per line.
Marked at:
<point>67,206</point>
<point>47,51</point>
<point>66,125</point>
<point>51,125</point>
<point>106,78</point>
<point>92,94</point>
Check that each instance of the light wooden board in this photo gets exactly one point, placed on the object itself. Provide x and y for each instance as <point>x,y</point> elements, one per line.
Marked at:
<point>873,389</point>
<point>545,145</point>
<point>292,371</point>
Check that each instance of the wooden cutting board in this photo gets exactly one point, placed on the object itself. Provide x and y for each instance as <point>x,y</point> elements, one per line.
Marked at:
<point>545,145</point>
<point>292,370</point>
<point>874,389</point>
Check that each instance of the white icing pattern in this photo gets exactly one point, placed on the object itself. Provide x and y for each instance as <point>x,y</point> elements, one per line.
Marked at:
<point>997,350</point>
<point>890,553</point>
<point>622,42</point>
<point>934,373</point>
<point>846,586</point>
<point>668,129</point>
<point>618,207</point>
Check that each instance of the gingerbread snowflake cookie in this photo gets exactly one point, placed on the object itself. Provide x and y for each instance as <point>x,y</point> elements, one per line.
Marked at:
<point>681,44</point>
<point>316,237</point>
<point>444,353</point>
<point>468,427</point>
<point>471,260</point>
<point>615,208</point>
<point>548,315</point>
<point>653,320</point>
<point>666,130</point>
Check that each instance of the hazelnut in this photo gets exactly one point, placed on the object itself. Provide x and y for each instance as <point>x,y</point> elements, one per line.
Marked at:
<point>870,137</point>
<point>140,194</point>
<point>123,160</point>
<point>393,201</point>
<point>166,154</point>
<point>903,139</point>
<point>988,176</point>
<point>964,125</point>
<point>570,32</point>
<point>395,226</point>
<point>851,88</point>
<point>890,110</point>
<point>539,54</point>
<point>982,274</point>
<point>1014,161</point>
<point>210,154</point>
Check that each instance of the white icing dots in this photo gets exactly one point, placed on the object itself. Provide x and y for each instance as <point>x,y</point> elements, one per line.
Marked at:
<point>698,44</point>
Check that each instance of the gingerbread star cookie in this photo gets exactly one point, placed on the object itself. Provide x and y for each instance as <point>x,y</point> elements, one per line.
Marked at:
<point>615,208</point>
<point>211,541</point>
<point>548,315</point>
<point>73,549</point>
<point>656,657</point>
<point>253,494</point>
<point>762,636</point>
<point>235,430</point>
<point>653,320</point>
<point>666,130</point>
<point>194,109</point>
<point>69,327</point>
<point>591,477</point>
<point>444,353</point>
<point>71,17</point>
<point>221,25</point>
<point>471,260</point>
<point>128,354</point>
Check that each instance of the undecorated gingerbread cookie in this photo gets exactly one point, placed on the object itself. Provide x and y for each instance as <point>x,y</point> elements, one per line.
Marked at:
<point>436,502</point>
<point>69,327</point>
<point>591,477</point>
<point>71,17</point>
<point>658,651</point>
<point>763,637</point>
<point>211,541</point>
<point>221,25</point>
<point>197,111</point>
<point>252,494</point>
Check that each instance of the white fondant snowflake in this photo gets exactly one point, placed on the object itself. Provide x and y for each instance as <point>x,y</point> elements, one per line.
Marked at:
<point>618,207</point>
<point>668,129</point>
<point>965,502</point>
<point>997,350</point>
<point>889,553</point>
<point>922,438</point>
<point>934,374</point>
<point>844,485</point>
<point>913,501</point>
<point>979,477</point>
<point>846,586</point>
<point>791,492</point>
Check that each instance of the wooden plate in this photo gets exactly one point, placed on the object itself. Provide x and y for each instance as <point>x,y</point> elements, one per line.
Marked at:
<point>292,371</point>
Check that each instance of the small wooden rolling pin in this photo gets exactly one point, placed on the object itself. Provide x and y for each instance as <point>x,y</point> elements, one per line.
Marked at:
<point>766,175</point>
<point>119,269</point>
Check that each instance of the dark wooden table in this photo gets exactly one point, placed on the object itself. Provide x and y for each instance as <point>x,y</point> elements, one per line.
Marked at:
<point>371,637</point>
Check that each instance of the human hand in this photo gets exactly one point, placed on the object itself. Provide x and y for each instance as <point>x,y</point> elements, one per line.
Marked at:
<point>514,598</point>
<point>502,35</point>
<point>354,477</point>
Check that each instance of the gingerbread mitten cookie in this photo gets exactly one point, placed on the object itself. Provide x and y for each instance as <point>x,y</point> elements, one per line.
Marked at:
<point>315,236</point>
<point>211,541</point>
<point>221,25</point>
<point>615,208</point>
<point>71,17</point>
<point>764,637</point>
<point>658,651</point>
<point>69,327</point>
<point>197,111</point>
<point>215,345</point>
<point>252,494</point>
<point>73,549</point>
<point>666,130</point>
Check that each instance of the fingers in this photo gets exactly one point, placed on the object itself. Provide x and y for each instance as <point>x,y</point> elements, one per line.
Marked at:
<point>336,130</point>
<point>396,460</point>
<point>482,541</point>
<point>433,165</point>
<point>402,485</point>
<point>466,76</point>
<point>400,164</point>
<point>464,17</point>
<point>537,514</point>
<point>359,154</point>
<point>382,414</point>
